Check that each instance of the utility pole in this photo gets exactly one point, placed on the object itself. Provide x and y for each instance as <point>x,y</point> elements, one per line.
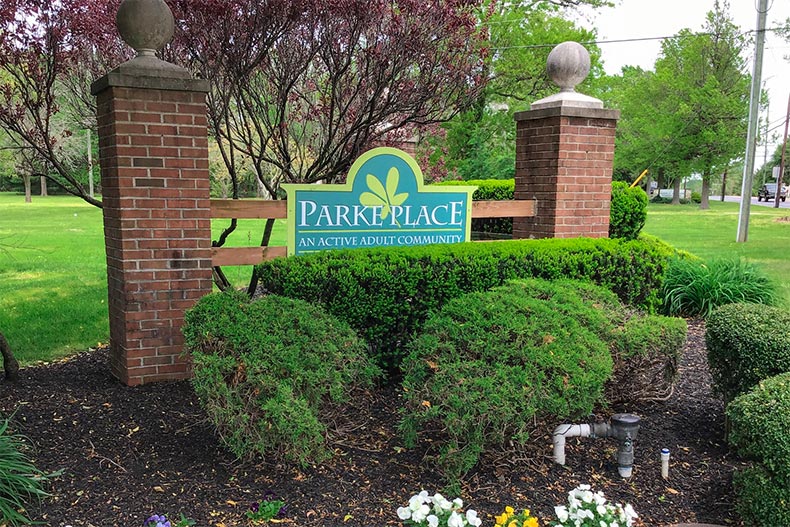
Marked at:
<point>765,139</point>
<point>754,106</point>
<point>782,165</point>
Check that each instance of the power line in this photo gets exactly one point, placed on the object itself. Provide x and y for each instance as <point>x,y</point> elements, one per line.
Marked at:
<point>626,40</point>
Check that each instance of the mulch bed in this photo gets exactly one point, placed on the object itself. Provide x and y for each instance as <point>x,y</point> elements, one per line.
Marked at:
<point>127,453</point>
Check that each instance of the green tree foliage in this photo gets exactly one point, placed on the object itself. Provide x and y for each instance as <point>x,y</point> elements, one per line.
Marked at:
<point>690,114</point>
<point>480,142</point>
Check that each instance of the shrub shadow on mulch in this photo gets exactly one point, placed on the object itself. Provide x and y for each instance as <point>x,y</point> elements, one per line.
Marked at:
<point>127,453</point>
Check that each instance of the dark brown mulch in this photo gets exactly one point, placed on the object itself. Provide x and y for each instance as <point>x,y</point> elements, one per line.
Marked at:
<point>126,453</point>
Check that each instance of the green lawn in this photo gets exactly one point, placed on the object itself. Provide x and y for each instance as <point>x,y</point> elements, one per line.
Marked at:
<point>711,234</point>
<point>53,282</point>
<point>53,296</point>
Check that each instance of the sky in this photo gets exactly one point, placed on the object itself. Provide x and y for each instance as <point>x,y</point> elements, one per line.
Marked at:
<point>659,18</point>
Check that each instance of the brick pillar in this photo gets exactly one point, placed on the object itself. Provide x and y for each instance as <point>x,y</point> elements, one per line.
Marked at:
<point>564,158</point>
<point>154,170</point>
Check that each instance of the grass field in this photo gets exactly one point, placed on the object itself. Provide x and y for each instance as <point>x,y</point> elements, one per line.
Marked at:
<point>53,294</point>
<point>53,281</point>
<point>711,234</point>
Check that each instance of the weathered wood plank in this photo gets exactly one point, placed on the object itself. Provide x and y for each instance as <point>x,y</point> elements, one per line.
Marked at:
<point>245,255</point>
<point>248,208</point>
<point>503,209</point>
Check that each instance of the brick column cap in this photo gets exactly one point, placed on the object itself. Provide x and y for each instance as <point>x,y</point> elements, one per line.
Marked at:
<point>125,76</point>
<point>567,111</point>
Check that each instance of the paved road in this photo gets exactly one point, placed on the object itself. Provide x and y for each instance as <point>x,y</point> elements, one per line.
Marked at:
<point>737,199</point>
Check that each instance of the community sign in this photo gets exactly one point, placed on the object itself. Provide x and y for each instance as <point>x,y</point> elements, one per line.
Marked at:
<point>383,202</point>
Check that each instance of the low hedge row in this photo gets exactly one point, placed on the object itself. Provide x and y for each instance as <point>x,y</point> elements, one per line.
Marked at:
<point>760,420</point>
<point>387,293</point>
<point>490,190</point>
<point>746,344</point>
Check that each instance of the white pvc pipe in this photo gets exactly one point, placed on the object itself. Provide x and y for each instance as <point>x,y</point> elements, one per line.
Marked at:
<point>564,431</point>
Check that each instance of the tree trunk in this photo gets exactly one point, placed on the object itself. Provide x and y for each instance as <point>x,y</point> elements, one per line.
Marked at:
<point>723,185</point>
<point>703,200</point>
<point>43,186</point>
<point>10,365</point>
<point>28,192</point>
<point>676,191</point>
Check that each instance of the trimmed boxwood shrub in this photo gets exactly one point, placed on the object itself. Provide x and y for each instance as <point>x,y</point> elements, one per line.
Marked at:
<point>628,211</point>
<point>270,372</point>
<point>746,344</point>
<point>761,500</point>
<point>760,420</point>
<point>490,190</point>
<point>503,343</point>
<point>387,293</point>
<point>646,352</point>
<point>488,364</point>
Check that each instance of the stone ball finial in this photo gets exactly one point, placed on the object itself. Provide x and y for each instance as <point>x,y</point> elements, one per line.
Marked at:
<point>146,25</point>
<point>568,65</point>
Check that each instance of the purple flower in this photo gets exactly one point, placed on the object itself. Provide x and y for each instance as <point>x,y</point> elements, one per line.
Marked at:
<point>157,521</point>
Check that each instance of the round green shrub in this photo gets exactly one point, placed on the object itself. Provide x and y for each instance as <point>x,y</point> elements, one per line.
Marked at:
<point>746,344</point>
<point>269,372</point>
<point>628,211</point>
<point>488,364</point>
<point>760,421</point>
<point>762,501</point>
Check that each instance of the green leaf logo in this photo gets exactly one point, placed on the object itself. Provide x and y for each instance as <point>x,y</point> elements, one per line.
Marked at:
<point>381,197</point>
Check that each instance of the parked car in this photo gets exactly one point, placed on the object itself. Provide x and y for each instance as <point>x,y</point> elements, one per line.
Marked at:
<point>768,191</point>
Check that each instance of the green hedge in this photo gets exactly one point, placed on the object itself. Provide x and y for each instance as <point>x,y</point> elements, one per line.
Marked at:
<point>490,190</point>
<point>387,293</point>
<point>628,211</point>
<point>487,365</point>
<point>270,372</point>
<point>627,216</point>
<point>760,422</point>
<point>746,344</point>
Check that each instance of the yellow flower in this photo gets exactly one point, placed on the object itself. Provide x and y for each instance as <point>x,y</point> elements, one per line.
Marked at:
<point>501,519</point>
<point>512,524</point>
<point>526,512</point>
<point>509,510</point>
<point>532,522</point>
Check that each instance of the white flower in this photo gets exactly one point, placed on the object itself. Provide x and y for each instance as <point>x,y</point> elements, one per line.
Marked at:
<point>561,512</point>
<point>586,496</point>
<point>602,524</point>
<point>433,520</point>
<point>471,517</point>
<point>415,502</point>
<point>458,503</point>
<point>630,514</point>
<point>455,520</point>
<point>420,514</point>
<point>404,513</point>
<point>600,509</point>
<point>441,503</point>
<point>614,524</point>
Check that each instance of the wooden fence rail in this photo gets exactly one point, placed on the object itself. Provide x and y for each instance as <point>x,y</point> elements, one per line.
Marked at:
<point>265,209</point>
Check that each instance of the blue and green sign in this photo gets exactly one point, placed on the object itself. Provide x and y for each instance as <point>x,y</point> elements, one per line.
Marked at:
<point>383,202</point>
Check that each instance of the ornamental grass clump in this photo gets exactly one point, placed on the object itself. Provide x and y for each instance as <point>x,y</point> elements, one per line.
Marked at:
<point>273,373</point>
<point>20,481</point>
<point>695,288</point>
